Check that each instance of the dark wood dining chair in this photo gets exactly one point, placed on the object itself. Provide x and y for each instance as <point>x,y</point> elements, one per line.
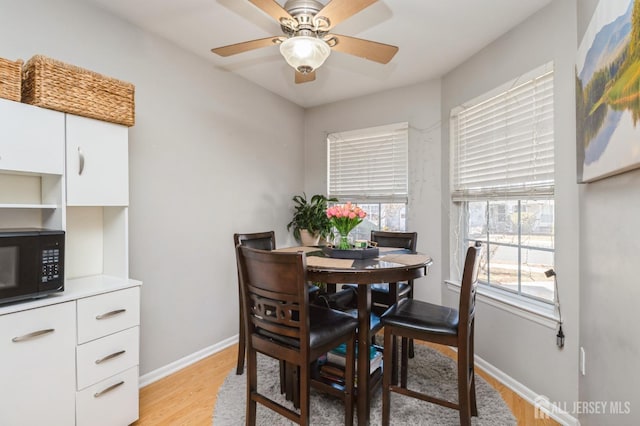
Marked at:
<point>441,325</point>
<point>281,323</point>
<point>258,240</point>
<point>263,241</point>
<point>381,296</point>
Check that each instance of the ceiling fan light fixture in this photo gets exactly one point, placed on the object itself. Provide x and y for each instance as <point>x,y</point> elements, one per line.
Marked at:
<point>304,53</point>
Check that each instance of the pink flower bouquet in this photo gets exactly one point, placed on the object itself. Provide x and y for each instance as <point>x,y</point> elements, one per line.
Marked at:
<point>344,218</point>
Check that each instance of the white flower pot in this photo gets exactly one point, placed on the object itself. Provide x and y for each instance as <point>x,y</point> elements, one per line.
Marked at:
<point>308,239</point>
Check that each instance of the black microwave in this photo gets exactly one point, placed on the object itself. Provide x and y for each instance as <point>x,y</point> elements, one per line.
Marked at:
<point>31,263</point>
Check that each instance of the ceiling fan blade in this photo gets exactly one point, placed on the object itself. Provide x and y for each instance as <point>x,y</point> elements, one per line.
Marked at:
<point>339,10</point>
<point>305,78</point>
<point>273,9</point>
<point>367,49</point>
<point>245,46</point>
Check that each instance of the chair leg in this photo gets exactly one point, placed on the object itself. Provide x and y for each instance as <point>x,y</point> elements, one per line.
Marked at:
<point>349,379</point>
<point>303,390</point>
<point>464,387</point>
<point>241,343</point>
<point>472,397</point>
<point>386,377</point>
<point>296,384</point>
<point>283,377</point>
<point>252,387</point>
<point>394,360</point>
<point>412,352</point>
<point>474,405</point>
<point>404,367</point>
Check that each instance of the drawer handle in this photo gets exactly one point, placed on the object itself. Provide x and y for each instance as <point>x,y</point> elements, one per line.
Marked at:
<point>33,335</point>
<point>108,357</point>
<point>81,161</point>
<point>109,389</point>
<point>110,314</point>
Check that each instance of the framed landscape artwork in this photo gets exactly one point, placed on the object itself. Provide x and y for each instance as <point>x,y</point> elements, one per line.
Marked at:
<point>608,91</point>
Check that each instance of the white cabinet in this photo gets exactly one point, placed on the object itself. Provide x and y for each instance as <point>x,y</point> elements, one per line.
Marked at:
<point>37,372</point>
<point>107,358</point>
<point>67,172</point>
<point>97,163</point>
<point>32,139</point>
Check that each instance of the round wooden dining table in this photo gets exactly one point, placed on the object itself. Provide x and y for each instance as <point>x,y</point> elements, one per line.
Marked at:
<point>392,265</point>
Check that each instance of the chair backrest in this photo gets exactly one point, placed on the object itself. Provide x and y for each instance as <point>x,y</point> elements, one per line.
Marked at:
<point>275,295</point>
<point>405,240</point>
<point>469,285</point>
<point>257,240</point>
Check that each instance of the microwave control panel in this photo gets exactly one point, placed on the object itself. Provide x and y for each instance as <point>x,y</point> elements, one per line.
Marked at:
<point>50,265</point>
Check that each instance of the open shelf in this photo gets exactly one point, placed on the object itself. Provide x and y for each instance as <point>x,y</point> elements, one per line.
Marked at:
<point>27,206</point>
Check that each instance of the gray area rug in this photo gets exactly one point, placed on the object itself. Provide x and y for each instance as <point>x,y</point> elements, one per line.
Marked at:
<point>429,371</point>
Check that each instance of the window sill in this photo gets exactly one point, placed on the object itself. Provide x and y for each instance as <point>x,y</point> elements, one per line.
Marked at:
<point>538,312</point>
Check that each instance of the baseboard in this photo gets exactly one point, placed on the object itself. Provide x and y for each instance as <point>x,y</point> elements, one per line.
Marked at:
<point>540,403</point>
<point>175,366</point>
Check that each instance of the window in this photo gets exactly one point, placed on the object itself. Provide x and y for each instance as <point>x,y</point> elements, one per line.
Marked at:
<point>369,167</point>
<point>502,165</point>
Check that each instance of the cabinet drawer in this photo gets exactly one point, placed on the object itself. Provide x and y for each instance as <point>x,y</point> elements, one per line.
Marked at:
<point>105,357</point>
<point>108,313</point>
<point>113,401</point>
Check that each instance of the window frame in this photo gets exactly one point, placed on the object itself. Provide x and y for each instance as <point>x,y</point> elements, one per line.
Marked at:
<point>460,236</point>
<point>397,136</point>
<point>394,187</point>
<point>487,242</point>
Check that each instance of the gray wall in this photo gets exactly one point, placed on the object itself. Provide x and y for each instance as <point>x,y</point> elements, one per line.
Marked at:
<point>521,348</point>
<point>419,105</point>
<point>211,154</point>
<point>197,171</point>
<point>609,285</point>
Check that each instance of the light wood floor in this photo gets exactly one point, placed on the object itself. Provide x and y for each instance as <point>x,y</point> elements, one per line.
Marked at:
<point>188,396</point>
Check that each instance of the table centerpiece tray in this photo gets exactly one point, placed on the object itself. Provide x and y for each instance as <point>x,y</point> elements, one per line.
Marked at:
<point>353,253</point>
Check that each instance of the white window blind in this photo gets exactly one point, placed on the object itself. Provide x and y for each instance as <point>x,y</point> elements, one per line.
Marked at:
<point>369,164</point>
<point>503,147</point>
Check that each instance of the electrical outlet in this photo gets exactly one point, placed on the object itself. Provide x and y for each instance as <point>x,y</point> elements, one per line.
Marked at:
<point>583,362</point>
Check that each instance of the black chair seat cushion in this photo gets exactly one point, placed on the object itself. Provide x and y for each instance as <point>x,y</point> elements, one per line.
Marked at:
<point>376,323</point>
<point>326,325</point>
<point>403,288</point>
<point>422,317</point>
<point>313,291</point>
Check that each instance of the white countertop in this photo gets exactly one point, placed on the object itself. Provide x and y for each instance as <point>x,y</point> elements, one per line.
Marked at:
<point>74,289</point>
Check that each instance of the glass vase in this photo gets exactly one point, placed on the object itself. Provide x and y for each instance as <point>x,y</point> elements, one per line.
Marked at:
<point>343,242</point>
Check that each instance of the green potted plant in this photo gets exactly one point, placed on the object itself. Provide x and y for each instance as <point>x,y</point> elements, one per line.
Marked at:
<point>310,219</point>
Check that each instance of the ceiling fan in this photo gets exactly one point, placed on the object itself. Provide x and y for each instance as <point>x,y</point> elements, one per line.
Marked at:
<point>306,42</point>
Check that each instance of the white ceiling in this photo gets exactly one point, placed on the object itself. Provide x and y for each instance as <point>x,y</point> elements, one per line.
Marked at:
<point>434,36</point>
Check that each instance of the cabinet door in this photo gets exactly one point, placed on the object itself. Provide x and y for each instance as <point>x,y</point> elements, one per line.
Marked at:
<point>97,163</point>
<point>37,371</point>
<point>32,139</point>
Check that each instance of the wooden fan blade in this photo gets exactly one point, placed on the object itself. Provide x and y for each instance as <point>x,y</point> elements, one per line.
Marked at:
<point>339,10</point>
<point>273,9</point>
<point>305,78</point>
<point>245,46</point>
<point>367,49</point>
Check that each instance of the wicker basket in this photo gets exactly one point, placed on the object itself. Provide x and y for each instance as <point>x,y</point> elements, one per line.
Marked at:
<point>52,84</point>
<point>10,79</point>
